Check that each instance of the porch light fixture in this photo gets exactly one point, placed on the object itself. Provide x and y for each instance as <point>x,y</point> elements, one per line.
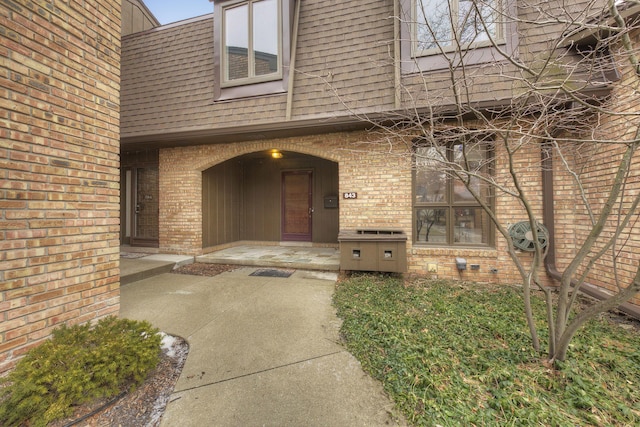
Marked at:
<point>276,154</point>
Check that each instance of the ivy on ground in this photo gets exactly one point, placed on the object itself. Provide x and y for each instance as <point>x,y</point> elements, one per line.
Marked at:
<point>460,354</point>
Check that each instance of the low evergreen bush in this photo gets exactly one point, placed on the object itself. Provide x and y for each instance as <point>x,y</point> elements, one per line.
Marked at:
<point>78,364</point>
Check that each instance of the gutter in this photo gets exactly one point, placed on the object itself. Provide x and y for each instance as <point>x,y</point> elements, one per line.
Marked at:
<point>244,133</point>
<point>549,222</point>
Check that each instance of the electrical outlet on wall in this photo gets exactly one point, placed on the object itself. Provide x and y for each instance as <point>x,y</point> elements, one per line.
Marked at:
<point>432,268</point>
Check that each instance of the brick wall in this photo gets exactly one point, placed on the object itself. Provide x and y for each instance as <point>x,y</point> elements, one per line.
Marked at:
<point>597,164</point>
<point>59,159</point>
<point>383,182</point>
<point>381,179</point>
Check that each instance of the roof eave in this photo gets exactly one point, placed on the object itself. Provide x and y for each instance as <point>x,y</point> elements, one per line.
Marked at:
<point>314,126</point>
<point>251,132</point>
<point>590,34</point>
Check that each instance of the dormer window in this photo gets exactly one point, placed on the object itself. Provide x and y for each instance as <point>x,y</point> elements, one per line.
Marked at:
<point>251,42</point>
<point>252,47</point>
<point>435,33</point>
<point>442,25</point>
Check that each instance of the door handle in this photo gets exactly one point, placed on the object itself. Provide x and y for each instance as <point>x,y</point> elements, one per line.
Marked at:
<point>310,211</point>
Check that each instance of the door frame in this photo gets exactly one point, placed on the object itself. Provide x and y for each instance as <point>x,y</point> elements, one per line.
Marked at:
<point>126,212</point>
<point>129,177</point>
<point>297,237</point>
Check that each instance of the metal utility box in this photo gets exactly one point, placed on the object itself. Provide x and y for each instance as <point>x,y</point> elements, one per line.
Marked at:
<point>373,250</point>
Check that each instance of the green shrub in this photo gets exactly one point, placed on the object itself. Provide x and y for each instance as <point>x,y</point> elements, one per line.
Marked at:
<point>78,364</point>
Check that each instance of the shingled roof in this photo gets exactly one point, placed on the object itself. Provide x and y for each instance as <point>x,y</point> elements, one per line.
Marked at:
<point>344,63</point>
<point>167,78</point>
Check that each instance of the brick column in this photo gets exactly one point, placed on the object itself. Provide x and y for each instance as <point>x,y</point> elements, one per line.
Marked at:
<point>59,160</point>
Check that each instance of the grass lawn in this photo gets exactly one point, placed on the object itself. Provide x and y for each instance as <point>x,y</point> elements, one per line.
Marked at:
<point>460,354</point>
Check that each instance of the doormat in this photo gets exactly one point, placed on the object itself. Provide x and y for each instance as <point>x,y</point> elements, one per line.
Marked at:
<point>271,272</point>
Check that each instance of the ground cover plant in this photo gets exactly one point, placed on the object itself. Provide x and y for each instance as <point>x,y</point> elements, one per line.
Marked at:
<point>78,364</point>
<point>460,354</point>
<point>494,128</point>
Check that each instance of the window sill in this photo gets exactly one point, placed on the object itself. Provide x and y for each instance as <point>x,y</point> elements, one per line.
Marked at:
<point>251,90</point>
<point>443,61</point>
<point>274,77</point>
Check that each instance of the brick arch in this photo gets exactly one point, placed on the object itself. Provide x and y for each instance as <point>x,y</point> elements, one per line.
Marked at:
<point>236,188</point>
<point>213,155</point>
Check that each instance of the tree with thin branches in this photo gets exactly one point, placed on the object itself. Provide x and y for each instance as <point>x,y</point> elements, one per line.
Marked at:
<point>571,117</point>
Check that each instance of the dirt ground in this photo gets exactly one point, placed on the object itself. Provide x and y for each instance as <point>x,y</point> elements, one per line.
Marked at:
<point>203,269</point>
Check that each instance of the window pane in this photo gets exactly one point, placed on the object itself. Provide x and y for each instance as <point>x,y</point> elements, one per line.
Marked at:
<point>445,211</point>
<point>474,163</point>
<point>433,24</point>
<point>431,180</point>
<point>431,186</point>
<point>265,37</point>
<point>471,226</point>
<point>236,42</point>
<point>431,225</point>
<point>476,22</point>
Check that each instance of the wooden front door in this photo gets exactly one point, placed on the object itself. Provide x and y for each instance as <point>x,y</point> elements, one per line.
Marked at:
<point>297,209</point>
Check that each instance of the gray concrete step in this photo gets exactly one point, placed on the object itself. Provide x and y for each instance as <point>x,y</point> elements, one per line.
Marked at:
<point>135,269</point>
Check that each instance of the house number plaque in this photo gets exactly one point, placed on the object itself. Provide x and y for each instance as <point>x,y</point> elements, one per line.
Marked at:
<point>349,195</point>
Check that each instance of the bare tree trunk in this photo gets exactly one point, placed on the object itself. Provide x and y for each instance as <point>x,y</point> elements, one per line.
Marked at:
<point>563,341</point>
<point>551,99</point>
<point>563,329</point>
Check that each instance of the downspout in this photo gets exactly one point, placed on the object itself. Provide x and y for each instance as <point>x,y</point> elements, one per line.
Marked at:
<point>292,61</point>
<point>549,222</point>
<point>396,54</point>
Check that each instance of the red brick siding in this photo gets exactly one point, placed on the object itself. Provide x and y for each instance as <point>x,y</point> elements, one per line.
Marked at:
<point>59,159</point>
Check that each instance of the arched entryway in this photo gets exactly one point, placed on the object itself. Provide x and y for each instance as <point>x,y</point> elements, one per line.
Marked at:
<point>257,197</point>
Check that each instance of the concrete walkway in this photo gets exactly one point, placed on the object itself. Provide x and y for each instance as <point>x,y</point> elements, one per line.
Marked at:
<point>264,351</point>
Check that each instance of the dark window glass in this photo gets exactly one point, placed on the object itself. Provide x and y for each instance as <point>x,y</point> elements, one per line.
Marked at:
<point>251,42</point>
<point>445,209</point>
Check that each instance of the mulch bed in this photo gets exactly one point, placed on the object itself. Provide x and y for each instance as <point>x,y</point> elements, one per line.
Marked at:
<point>205,269</point>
